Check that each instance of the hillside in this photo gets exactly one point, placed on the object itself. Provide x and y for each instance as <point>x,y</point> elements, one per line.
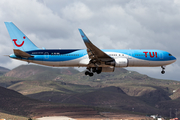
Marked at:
<point>18,105</point>
<point>121,90</point>
<point>15,102</point>
<point>34,72</point>
<point>3,70</point>
<point>112,97</point>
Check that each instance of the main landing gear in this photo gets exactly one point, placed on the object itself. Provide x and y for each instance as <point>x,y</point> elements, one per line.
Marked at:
<point>163,69</point>
<point>89,73</point>
<point>94,70</point>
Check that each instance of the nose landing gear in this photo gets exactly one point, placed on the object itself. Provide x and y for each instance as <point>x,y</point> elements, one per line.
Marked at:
<point>163,69</point>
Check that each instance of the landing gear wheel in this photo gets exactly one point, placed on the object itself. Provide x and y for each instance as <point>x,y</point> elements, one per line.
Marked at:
<point>87,73</point>
<point>163,72</point>
<point>91,74</point>
<point>98,71</point>
<point>163,68</point>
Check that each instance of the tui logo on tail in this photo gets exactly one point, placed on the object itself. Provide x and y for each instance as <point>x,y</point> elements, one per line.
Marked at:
<point>18,44</point>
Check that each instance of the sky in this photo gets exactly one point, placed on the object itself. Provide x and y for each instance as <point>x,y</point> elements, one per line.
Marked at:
<point>112,24</point>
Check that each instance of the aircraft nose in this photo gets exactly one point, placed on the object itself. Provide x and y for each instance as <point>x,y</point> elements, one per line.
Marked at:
<point>174,58</point>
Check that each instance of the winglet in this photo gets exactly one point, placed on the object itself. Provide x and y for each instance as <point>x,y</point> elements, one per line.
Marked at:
<point>84,37</point>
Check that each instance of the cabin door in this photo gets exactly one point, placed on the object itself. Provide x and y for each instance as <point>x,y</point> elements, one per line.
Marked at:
<point>46,55</point>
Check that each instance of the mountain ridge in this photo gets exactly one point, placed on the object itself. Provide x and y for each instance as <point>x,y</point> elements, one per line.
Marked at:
<point>69,86</point>
<point>3,70</point>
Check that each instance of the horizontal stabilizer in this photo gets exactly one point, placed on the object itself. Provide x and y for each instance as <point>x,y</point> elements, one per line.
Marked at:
<point>20,53</point>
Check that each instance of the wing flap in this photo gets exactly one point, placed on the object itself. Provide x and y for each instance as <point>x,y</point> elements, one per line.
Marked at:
<point>22,54</point>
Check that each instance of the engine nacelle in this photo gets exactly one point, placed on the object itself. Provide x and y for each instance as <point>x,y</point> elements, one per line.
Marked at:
<point>108,69</point>
<point>121,62</point>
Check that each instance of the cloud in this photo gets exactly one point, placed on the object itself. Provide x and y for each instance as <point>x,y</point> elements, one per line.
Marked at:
<point>76,11</point>
<point>34,17</point>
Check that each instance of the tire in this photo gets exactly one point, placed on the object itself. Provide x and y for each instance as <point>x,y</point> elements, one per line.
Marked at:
<point>162,72</point>
<point>98,71</point>
<point>91,74</point>
<point>87,73</point>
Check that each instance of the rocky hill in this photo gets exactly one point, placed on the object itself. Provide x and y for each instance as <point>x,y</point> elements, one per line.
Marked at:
<point>39,72</point>
<point>15,102</point>
<point>3,70</point>
<point>121,90</point>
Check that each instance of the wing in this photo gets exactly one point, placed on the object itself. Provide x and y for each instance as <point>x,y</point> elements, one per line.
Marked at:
<point>94,53</point>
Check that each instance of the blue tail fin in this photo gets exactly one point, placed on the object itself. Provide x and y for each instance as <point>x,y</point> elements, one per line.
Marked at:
<point>19,39</point>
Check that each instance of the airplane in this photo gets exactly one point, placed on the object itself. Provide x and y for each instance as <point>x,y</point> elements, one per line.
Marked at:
<point>94,59</point>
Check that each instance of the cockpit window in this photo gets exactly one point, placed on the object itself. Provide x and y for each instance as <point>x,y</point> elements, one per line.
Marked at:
<point>170,55</point>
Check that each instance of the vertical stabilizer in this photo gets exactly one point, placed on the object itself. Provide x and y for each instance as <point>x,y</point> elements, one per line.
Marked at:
<point>19,39</point>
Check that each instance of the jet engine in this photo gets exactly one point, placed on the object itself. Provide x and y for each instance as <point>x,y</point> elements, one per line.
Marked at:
<point>119,62</point>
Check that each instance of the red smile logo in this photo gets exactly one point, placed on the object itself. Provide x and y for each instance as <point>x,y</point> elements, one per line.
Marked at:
<point>17,44</point>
